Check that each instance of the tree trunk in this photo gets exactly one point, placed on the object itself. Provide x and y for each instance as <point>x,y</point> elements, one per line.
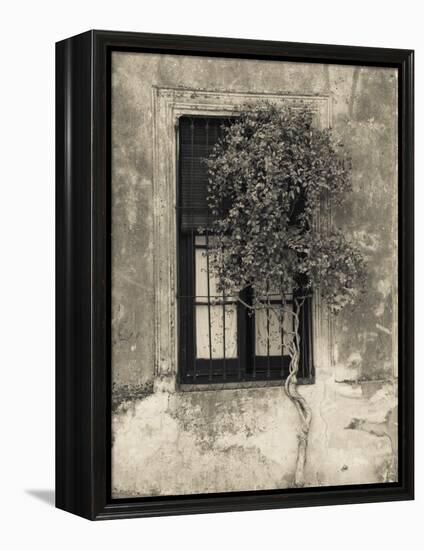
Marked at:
<point>302,407</point>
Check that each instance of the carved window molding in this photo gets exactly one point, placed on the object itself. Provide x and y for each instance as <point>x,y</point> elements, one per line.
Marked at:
<point>168,105</point>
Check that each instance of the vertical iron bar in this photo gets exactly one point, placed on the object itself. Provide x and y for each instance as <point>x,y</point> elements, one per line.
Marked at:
<point>209,305</point>
<point>268,371</point>
<point>238,355</point>
<point>303,338</point>
<point>220,134</point>
<point>253,324</point>
<point>282,334</point>
<point>223,333</point>
<point>193,250</point>
<point>207,270</point>
<point>302,341</point>
<point>237,341</point>
<point>310,340</point>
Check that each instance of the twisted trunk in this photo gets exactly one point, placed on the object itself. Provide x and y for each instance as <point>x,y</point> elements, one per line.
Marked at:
<point>302,407</point>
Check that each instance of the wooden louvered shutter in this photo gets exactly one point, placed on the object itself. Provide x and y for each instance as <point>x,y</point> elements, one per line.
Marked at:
<point>197,137</point>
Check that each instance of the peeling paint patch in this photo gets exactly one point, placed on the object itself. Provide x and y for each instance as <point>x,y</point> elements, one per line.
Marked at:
<point>384,287</point>
<point>124,396</point>
<point>369,242</point>
<point>383,329</point>
<point>387,429</point>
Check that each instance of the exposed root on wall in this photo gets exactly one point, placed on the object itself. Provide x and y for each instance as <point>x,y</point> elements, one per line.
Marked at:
<point>124,396</point>
<point>305,415</point>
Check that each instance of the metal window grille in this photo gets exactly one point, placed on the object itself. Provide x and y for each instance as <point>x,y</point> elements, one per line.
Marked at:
<point>219,340</point>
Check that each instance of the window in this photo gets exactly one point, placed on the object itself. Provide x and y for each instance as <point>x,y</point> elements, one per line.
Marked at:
<point>219,340</point>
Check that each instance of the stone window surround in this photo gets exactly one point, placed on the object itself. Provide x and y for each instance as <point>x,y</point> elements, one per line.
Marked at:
<point>168,105</point>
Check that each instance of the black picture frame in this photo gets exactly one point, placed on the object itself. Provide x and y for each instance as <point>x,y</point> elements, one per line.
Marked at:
<point>83,274</point>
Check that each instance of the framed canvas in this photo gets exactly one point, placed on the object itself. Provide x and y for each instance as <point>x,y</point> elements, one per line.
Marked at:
<point>234,274</point>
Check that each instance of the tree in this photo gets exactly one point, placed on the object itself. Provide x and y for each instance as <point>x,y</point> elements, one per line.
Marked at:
<point>268,174</point>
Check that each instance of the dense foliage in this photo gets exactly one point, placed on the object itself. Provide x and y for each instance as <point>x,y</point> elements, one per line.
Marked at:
<point>267,176</point>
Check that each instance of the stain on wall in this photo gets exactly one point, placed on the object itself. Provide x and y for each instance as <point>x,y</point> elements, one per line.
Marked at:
<point>177,442</point>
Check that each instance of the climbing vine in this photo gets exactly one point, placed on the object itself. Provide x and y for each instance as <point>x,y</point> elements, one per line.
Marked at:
<point>268,175</point>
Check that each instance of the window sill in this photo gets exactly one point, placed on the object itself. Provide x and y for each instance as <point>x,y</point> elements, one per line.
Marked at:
<point>255,384</point>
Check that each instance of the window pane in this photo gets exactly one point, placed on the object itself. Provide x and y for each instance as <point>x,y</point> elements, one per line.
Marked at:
<point>201,240</point>
<point>274,294</point>
<point>270,294</point>
<point>288,327</point>
<point>268,331</point>
<point>217,332</point>
<point>202,278</point>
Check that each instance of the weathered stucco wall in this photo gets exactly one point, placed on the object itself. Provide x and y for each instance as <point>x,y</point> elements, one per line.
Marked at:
<point>238,439</point>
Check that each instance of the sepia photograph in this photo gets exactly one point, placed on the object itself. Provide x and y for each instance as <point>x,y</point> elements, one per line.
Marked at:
<point>254,274</point>
<point>209,253</point>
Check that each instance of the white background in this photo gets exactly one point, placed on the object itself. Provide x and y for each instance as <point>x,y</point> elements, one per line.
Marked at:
<point>29,30</point>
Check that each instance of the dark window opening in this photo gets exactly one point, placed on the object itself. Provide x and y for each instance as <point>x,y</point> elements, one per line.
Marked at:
<point>219,340</point>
